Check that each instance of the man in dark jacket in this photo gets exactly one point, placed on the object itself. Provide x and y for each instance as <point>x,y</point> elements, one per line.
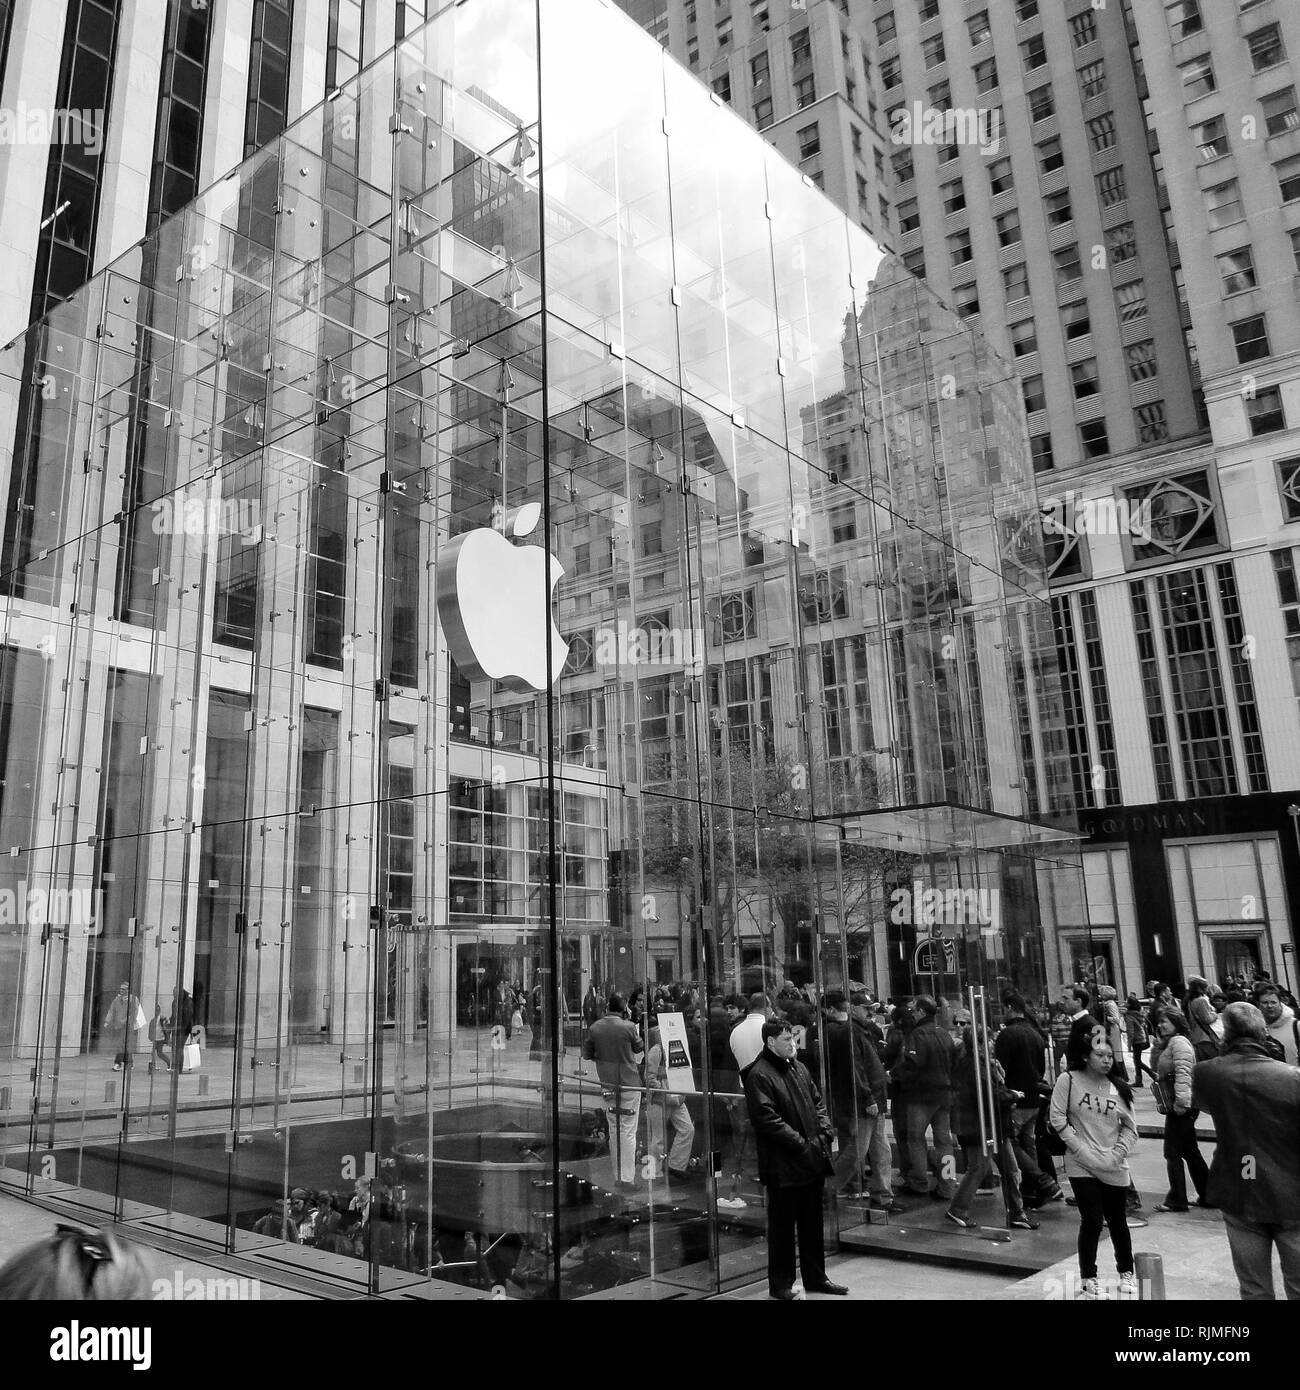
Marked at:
<point>1022,1050</point>
<point>859,1097</point>
<point>794,1146</point>
<point>1254,1179</point>
<point>924,1076</point>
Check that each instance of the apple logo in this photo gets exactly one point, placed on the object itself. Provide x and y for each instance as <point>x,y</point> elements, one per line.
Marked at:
<point>494,606</point>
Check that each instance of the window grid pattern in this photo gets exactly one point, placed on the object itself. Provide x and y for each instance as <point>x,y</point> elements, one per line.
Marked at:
<point>1243,682</point>
<point>1149,667</point>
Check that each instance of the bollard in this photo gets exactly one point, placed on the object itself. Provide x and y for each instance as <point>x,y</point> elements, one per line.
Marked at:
<point>1150,1271</point>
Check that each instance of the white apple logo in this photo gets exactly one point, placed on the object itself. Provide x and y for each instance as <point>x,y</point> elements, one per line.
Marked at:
<point>494,605</point>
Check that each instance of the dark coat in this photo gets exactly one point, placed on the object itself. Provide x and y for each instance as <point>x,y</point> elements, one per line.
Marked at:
<point>1022,1050</point>
<point>857,1080</point>
<point>1255,1103</point>
<point>790,1122</point>
<point>924,1072</point>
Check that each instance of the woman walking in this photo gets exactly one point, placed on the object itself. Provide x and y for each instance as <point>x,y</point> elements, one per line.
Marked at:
<point>1174,1073</point>
<point>1092,1112</point>
<point>1135,1024</point>
<point>1201,1019</point>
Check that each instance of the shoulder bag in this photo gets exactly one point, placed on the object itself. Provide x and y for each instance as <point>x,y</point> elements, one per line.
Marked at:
<point>1053,1140</point>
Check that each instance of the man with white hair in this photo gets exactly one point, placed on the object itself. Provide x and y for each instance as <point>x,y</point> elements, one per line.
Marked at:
<point>1254,1179</point>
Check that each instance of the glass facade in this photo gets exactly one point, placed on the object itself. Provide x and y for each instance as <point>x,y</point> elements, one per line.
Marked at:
<point>510,540</point>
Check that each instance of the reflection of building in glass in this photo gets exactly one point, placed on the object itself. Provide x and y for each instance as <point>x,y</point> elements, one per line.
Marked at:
<point>808,670</point>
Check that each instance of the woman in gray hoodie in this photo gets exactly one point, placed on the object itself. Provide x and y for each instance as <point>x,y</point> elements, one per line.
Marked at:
<point>1092,1111</point>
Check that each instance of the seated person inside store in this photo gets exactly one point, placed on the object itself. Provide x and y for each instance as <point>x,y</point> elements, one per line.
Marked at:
<point>794,1135</point>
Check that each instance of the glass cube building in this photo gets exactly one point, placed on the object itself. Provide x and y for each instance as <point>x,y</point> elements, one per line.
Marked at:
<point>511,540</point>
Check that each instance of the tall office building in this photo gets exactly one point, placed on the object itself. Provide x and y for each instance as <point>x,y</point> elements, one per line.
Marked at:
<point>1106,192</point>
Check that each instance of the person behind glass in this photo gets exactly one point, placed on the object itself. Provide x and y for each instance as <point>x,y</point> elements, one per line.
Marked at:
<point>176,1027</point>
<point>1113,1019</point>
<point>924,1076</point>
<point>614,1044</point>
<point>1092,1111</point>
<point>967,1082</point>
<point>122,1021</point>
<point>794,1159</point>
<point>1201,1018</point>
<point>729,1104</point>
<point>1021,1051</point>
<point>901,1023</point>
<point>1254,1177</point>
<point>1135,1026</point>
<point>1174,1072</point>
<point>858,1100</point>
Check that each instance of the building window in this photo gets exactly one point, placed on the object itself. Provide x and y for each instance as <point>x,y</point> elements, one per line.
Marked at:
<point>1050,155</point>
<point>1266,47</point>
<point>1288,481</point>
<point>1040,450</point>
<point>1083,29</point>
<point>929,10</point>
<point>986,75</point>
<point>1035,400</point>
<point>959,248</point>
<point>805,92</point>
<point>1141,359</point>
<point>800,48</point>
<point>1111,188</point>
<point>1101,132</point>
<point>1076,320</point>
<point>932,51</point>
<point>810,141</point>
<point>1288,177</point>
<point>722,86</point>
<point>1280,113</point>
<point>1092,80</point>
<point>1015,282</point>
<point>1093,439</point>
<point>1198,77</point>
<point>1033,53</point>
<point>1295,247</point>
<point>763,112</point>
<point>1131,300</point>
<point>1237,270</point>
<point>1007,226</point>
<point>864,194</point>
<point>909,216</point>
<point>1152,427</point>
<point>966,299</point>
<point>947,153</point>
<point>891,73</point>
<point>1000,177</point>
<point>723,34</point>
<point>1065,261</point>
<point>1212,138</point>
<point>954,197</point>
<point>1223,204</point>
<point>690,11</point>
<point>761,16</point>
<point>1026,10</point>
<point>886,29</point>
<point>1024,339</point>
<point>904,170</point>
<point>759,70</point>
<point>1058,209</point>
<point>1120,243</point>
<point>1264,411</point>
<point>268,73</point>
<point>1083,377</point>
<point>1149,666</point>
<point>1042,104</point>
<point>1184,18</point>
<point>693,52</point>
<point>977,26</point>
<point>1250,337</point>
<point>855,139</point>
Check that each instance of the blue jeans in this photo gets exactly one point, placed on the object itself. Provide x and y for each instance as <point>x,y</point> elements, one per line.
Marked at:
<point>1251,1243</point>
<point>923,1115</point>
<point>865,1138</point>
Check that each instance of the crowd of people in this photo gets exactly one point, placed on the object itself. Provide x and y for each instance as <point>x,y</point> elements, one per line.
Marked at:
<point>1049,1096</point>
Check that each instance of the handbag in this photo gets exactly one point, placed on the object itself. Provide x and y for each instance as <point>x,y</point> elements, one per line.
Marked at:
<point>140,1017</point>
<point>1053,1141</point>
<point>1161,1097</point>
<point>190,1057</point>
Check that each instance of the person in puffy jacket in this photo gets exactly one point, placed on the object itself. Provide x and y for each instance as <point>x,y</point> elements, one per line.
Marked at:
<point>1092,1111</point>
<point>1174,1072</point>
<point>924,1076</point>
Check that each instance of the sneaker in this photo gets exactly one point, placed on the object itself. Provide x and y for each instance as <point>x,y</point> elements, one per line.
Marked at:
<point>962,1221</point>
<point>893,1208</point>
<point>1089,1291</point>
<point>1051,1194</point>
<point>1024,1222</point>
<point>1128,1285</point>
